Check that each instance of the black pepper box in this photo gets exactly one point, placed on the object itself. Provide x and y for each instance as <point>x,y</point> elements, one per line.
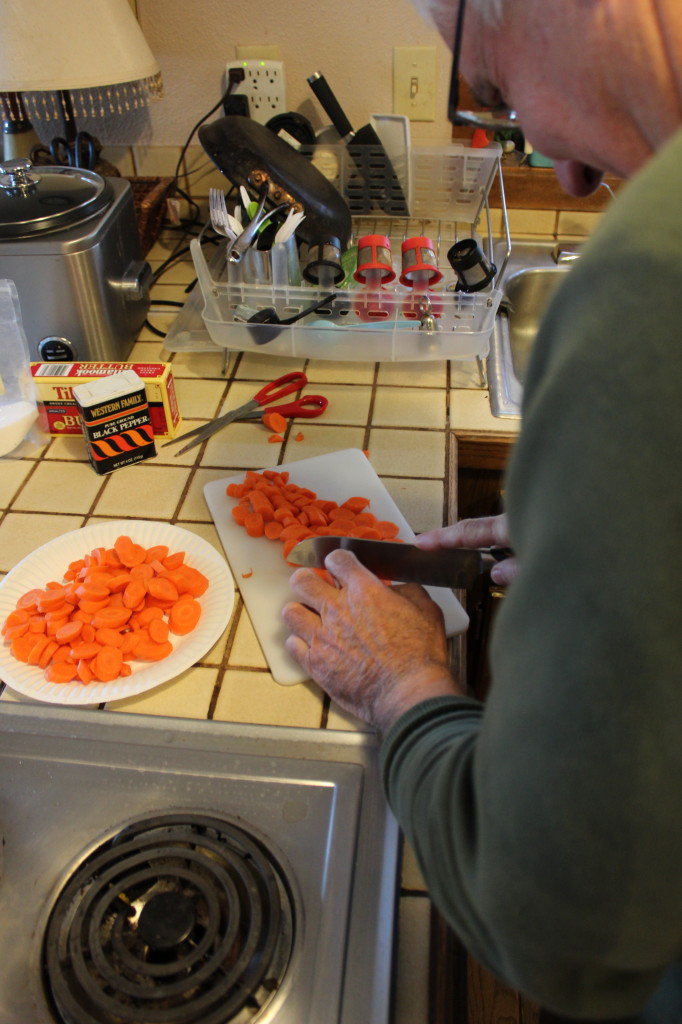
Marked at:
<point>116,423</point>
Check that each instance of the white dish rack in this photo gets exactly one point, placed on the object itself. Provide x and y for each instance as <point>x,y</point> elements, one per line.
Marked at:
<point>449,189</point>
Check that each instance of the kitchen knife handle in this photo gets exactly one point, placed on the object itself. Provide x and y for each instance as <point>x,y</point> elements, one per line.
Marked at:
<point>318,83</point>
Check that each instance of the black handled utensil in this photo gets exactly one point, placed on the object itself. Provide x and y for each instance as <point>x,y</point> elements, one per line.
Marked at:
<point>404,563</point>
<point>381,184</point>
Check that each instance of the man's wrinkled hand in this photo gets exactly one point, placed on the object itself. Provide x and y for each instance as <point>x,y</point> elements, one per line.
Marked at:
<point>487,532</point>
<point>376,650</point>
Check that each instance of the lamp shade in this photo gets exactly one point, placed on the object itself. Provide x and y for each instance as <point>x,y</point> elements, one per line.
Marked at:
<point>53,45</point>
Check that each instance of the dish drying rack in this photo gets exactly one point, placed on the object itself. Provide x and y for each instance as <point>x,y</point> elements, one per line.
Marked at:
<point>448,189</point>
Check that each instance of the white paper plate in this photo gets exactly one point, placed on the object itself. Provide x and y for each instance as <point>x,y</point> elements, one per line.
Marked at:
<point>50,561</point>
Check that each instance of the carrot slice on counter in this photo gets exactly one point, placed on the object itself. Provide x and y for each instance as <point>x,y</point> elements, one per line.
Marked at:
<point>275,422</point>
<point>275,439</point>
<point>247,575</point>
<point>300,436</point>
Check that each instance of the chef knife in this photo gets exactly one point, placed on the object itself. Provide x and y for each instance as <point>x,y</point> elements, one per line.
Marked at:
<point>404,563</point>
<point>382,182</point>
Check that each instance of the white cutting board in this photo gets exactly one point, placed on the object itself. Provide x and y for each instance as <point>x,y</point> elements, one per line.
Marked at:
<point>335,477</point>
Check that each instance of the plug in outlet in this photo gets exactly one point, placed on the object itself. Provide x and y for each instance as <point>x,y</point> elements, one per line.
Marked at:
<point>263,85</point>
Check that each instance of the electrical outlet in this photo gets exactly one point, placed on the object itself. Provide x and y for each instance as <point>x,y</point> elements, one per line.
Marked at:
<point>414,82</point>
<point>263,84</point>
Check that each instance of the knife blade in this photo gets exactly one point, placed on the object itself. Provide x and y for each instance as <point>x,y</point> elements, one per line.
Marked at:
<point>456,568</point>
<point>384,189</point>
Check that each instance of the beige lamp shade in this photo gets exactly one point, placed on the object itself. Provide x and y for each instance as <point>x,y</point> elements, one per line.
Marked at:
<point>95,49</point>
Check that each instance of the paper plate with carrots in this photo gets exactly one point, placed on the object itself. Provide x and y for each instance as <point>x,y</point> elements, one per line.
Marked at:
<point>111,611</point>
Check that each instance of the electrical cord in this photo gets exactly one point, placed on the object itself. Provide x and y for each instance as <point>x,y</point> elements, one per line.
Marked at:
<point>236,75</point>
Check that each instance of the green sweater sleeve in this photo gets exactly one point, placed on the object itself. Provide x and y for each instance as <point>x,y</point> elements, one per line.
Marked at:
<point>548,825</point>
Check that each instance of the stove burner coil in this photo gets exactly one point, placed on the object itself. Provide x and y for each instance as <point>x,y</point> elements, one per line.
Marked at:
<point>180,920</point>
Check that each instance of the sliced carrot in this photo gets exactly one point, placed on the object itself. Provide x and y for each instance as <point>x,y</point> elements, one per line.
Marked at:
<point>158,631</point>
<point>275,439</point>
<point>198,583</point>
<point>162,589</point>
<point>50,599</point>
<point>387,529</point>
<point>184,615</point>
<point>356,504</point>
<point>60,672</point>
<point>134,592</point>
<point>29,600</point>
<point>147,650</point>
<point>157,553</point>
<point>67,633</point>
<point>108,637</point>
<point>254,524</point>
<point>19,630</point>
<point>18,617</point>
<point>247,575</point>
<point>273,530</point>
<point>21,646</point>
<point>174,560</point>
<point>85,651</point>
<point>48,653</point>
<point>84,672</point>
<point>147,615</point>
<point>275,422</point>
<point>113,617</point>
<point>107,664</point>
<point>239,514</point>
<point>300,436</point>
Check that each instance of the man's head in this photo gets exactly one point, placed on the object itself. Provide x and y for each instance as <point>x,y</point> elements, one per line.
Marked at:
<point>596,84</point>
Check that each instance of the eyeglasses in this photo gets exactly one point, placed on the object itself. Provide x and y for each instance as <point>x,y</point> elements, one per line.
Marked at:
<point>494,118</point>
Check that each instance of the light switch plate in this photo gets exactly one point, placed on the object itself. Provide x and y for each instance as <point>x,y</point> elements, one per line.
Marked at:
<point>414,82</point>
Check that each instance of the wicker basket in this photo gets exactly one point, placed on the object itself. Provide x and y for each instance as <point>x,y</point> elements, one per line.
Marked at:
<point>149,196</point>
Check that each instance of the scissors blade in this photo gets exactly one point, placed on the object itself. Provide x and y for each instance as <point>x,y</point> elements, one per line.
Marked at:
<point>206,430</point>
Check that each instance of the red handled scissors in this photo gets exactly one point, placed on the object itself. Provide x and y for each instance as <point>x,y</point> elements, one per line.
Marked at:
<point>306,407</point>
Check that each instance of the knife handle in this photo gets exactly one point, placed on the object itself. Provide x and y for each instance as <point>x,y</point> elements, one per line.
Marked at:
<point>330,104</point>
<point>499,554</point>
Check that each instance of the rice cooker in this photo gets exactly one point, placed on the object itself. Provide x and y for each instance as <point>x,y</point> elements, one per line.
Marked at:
<point>69,242</point>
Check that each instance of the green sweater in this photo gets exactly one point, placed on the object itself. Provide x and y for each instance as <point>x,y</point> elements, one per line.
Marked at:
<point>548,824</point>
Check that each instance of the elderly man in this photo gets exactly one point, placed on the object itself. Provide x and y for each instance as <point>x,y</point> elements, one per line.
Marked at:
<point>548,824</point>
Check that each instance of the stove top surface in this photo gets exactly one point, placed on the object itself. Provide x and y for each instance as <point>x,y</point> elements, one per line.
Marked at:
<point>202,871</point>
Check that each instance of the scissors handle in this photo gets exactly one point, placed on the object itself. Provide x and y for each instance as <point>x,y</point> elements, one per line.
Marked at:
<point>306,407</point>
<point>281,387</point>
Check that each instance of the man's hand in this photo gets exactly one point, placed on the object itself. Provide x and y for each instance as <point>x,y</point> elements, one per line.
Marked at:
<point>376,650</point>
<point>488,532</point>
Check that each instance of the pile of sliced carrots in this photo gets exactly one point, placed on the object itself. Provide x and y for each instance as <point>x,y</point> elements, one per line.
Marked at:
<point>270,506</point>
<point>113,606</point>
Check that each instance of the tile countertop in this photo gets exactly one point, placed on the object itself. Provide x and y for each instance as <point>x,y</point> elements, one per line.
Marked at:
<point>403,414</point>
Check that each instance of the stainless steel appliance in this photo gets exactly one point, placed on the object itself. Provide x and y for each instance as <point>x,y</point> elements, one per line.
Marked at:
<point>69,241</point>
<point>197,872</point>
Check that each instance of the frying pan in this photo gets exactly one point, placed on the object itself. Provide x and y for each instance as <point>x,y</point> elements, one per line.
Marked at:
<point>381,183</point>
<point>250,154</point>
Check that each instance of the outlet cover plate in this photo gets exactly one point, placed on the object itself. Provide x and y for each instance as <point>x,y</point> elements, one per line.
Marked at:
<point>263,85</point>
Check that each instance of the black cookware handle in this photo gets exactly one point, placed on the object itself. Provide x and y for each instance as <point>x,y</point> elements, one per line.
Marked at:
<point>318,83</point>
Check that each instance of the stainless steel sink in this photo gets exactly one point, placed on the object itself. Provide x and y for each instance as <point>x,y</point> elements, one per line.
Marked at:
<point>533,271</point>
